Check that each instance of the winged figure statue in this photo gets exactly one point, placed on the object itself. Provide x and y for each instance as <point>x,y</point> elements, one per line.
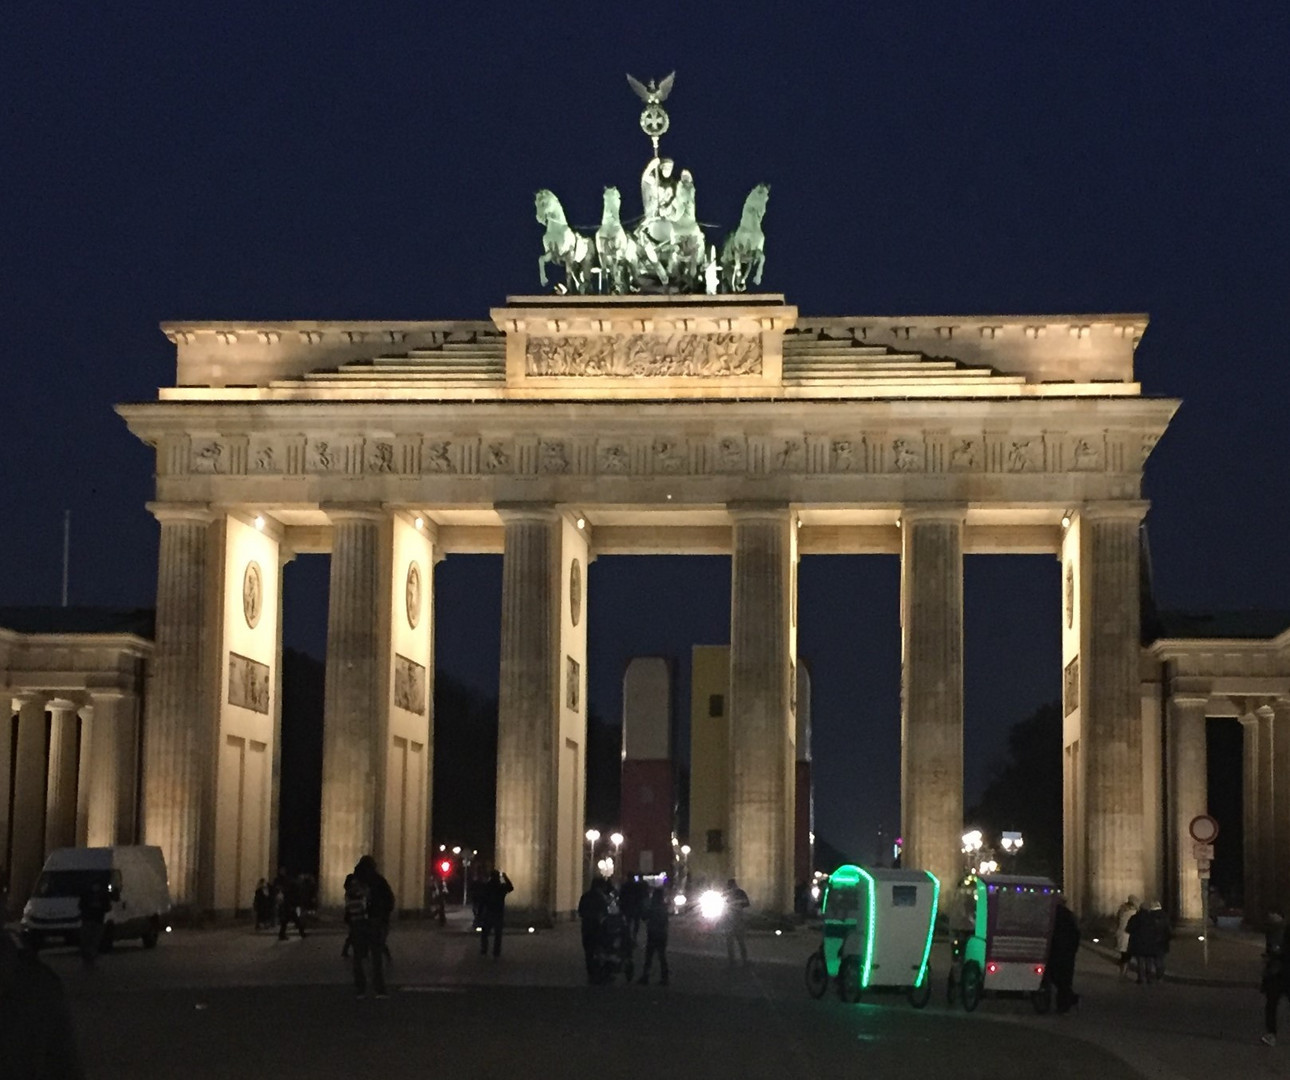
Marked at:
<point>652,94</point>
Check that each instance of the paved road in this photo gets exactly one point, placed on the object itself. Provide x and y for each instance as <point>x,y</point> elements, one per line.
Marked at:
<point>229,1003</point>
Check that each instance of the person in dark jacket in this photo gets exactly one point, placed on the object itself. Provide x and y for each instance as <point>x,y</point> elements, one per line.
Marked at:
<point>1162,934</point>
<point>36,1037</point>
<point>289,902</point>
<point>492,911</point>
<point>632,899</point>
<point>592,908</point>
<point>1275,983</point>
<point>369,923</point>
<point>263,905</point>
<point>1061,956</point>
<point>657,911</point>
<point>1144,944</point>
<point>737,904</point>
<point>94,904</point>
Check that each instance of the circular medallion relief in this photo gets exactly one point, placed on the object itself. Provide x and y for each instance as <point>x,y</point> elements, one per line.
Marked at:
<point>413,597</point>
<point>252,593</point>
<point>575,591</point>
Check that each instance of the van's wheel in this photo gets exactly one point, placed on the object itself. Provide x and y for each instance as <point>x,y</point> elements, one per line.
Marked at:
<point>1042,999</point>
<point>920,995</point>
<point>151,935</point>
<point>817,975</point>
<point>849,979</point>
<point>970,991</point>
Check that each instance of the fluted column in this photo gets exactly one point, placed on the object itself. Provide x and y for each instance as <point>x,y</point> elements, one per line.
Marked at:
<point>27,827</point>
<point>1265,795</point>
<point>1250,818</point>
<point>1111,685</point>
<point>761,759</point>
<point>178,739</point>
<point>1189,797</point>
<point>60,784</point>
<point>108,768</point>
<point>931,609</point>
<point>1280,709</point>
<point>83,780</point>
<point>353,708</point>
<point>527,699</point>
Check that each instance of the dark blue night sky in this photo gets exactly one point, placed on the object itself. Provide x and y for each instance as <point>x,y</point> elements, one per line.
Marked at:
<point>244,160</point>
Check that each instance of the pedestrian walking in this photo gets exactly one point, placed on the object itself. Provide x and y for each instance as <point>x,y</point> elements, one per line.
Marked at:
<point>593,906</point>
<point>657,911</point>
<point>94,904</point>
<point>736,908</point>
<point>631,899</point>
<point>289,903</point>
<point>369,905</point>
<point>262,905</point>
<point>1062,950</point>
<point>1275,982</point>
<point>36,1035</point>
<point>492,911</point>
<point>1123,914</point>
<point>1162,933</point>
<point>1144,944</point>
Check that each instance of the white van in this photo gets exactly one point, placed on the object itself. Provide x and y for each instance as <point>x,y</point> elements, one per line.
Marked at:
<point>138,891</point>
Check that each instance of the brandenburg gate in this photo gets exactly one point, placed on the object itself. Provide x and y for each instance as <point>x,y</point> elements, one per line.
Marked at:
<point>654,406</point>
<point>567,428</point>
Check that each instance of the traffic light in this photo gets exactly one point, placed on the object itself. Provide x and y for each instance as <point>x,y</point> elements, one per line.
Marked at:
<point>445,868</point>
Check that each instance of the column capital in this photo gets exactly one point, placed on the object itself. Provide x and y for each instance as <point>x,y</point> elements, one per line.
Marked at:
<point>86,712</point>
<point>182,513</point>
<point>520,512</point>
<point>915,513</point>
<point>100,695</point>
<point>59,704</point>
<point>753,509</point>
<point>344,513</point>
<point>1114,510</point>
<point>26,697</point>
<point>1189,700</point>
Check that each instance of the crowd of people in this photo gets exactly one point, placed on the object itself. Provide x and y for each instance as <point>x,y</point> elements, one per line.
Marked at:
<point>1142,936</point>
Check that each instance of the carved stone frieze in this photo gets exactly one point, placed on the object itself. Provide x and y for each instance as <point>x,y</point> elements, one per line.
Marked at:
<point>208,457</point>
<point>965,455</point>
<point>436,456</point>
<point>324,456</point>
<point>614,458</point>
<point>265,458</point>
<point>553,456</point>
<point>907,455</point>
<point>790,456</point>
<point>1086,454</point>
<point>732,455</point>
<point>248,683</point>
<point>846,455</point>
<point>498,457</point>
<point>380,456</point>
<point>409,685</point>
<point>670,456</point>
<point>644,356</point>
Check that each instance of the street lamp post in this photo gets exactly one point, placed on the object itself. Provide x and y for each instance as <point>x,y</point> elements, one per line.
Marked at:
<point>972,844</point>
<point>617,840</point>
<point>593,835</point>
<point>467,854</point>
<point>1011,842</point>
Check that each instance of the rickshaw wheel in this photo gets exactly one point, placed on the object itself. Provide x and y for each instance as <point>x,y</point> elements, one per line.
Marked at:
<point>919,996</point>
<point>849,980</point>
<point>817,975</point>
<point>1042,999</point>
<point>971,987</point>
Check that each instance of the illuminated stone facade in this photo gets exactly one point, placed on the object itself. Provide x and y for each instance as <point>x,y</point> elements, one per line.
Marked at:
<point>664,425</point>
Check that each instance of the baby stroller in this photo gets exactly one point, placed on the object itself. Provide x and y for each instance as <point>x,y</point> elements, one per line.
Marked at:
<point>614,948</point>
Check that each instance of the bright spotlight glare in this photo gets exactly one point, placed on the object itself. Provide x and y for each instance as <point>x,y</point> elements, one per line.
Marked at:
<point>712,905</point>
<point>679,899</point>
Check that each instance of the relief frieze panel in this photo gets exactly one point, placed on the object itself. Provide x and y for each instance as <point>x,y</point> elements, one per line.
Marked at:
<point>644,356</point>
<point>670,456</point>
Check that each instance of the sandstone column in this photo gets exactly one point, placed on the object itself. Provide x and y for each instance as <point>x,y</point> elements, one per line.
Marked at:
<point>60,786</point>
<point>761,663</point>
<point>83,782</point>
<point>28,852</point>
<point>1111,691</point>
<point>110,770</point>
<point>178,738</point>
<point>1281,801</point>
<point>1265,798</point>
<point>528,692</point>
<point>1188,794</point>
<point>1251,818</point>
<point>931,618</point>
<point>354,704</point>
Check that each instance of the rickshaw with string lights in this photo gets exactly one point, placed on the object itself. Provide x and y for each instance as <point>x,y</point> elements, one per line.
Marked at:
<point>1002,925</point>
<point>878,927</point>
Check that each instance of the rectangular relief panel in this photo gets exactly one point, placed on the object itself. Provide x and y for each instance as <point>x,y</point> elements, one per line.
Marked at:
<point>248,683</point>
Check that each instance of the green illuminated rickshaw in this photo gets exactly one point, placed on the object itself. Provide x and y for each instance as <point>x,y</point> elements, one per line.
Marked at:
<point>877,933</point>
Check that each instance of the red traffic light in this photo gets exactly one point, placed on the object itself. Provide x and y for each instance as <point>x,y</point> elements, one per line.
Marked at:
<point>445,867</point>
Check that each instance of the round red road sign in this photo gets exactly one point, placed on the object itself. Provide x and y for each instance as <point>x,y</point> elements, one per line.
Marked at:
<point>1203,829</point>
